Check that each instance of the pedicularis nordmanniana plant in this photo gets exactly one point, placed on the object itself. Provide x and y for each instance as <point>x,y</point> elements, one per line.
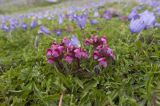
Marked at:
<point>69,56</point>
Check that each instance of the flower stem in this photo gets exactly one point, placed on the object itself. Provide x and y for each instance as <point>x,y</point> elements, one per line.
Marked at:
<point>61,99</point>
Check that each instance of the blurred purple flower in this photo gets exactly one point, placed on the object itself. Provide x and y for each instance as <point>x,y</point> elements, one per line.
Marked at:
<point>107,15</point>
<point>52,1</point>
<point>75,41</point>
<point>24,26</point>
<point>136,25</point>
<point>86,12</point>
<point>96,13</point>
<point>158,11</point>
<point>45,30</point>
<point>155,3</point>
<point>157,25</point>
<point>58,32</point>
<point>34,23</point>
<point>81,21</point>
<point>5,27</point>
<point>60,19</point>
<point>133,14</point>
<point>148,18</point>
<point>94,22</point>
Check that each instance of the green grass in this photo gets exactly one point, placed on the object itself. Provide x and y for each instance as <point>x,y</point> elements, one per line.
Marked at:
<point>133,80</point>
<point>26,8</point>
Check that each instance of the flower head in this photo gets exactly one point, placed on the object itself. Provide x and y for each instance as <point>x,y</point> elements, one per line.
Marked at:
<point>24,26</point>
<point>58,32</point>
<point>102,62</point>
<point>34,23</point>
<point>133,14</point>
<point>75,41</point>
<point>95,41</point>
<point>148,18</point>
<point>60,19</point>
<point>96,13</point>
<point>136,25</point>
<point>81,21</point>
<point>107,15</point>
<point>45,30</point>
<point>94,22</point>
<point>5,27</point>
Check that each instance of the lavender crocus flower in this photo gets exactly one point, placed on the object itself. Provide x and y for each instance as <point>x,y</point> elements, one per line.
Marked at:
<point>107,15</point>
<point>75,41</point>
<point>157,25</point>
<point>154,4</point>
<point>94,22</point>
<point>86,12</point>
<point>96,13</point>
<point>45,30</point>
<point>13,24</point>
<point>81,21</point>
<point>58,32</point>
<point>60,19</point>
<point>34,23</point>
<point>24,26</point>
<point>133,14</point>
<point>148,18</point>
<point>137,25</point>
<point>5,27</point>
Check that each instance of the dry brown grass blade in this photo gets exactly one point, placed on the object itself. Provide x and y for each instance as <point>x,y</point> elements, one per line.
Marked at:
<point>61,99</point>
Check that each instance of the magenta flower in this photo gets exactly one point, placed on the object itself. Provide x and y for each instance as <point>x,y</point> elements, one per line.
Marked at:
<point>55,52</point>
<point>49,53</point>
<point>80,53</point>
<point>96,55</point>
<point>69,59</point>
<point>104,40</point>
<point>66,41</point>
<point>51,60</point>
<point>70,52</point>
<point>102,62</point>
<point>95,41</point>
<point>102,51</point>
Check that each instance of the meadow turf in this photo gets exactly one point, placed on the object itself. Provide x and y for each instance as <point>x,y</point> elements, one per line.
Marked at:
<point>133,79</point>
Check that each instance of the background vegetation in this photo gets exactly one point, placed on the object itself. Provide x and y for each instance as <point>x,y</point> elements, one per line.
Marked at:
<point>26,79</point>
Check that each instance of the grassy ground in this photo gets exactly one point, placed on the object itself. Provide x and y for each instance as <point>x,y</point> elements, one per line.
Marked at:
<point>25,8</point>
<point>27,79</point>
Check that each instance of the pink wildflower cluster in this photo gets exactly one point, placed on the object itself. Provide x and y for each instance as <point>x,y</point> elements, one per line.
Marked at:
<point>102,50</point>
<point>69,50</point>
<point>65,50</point>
